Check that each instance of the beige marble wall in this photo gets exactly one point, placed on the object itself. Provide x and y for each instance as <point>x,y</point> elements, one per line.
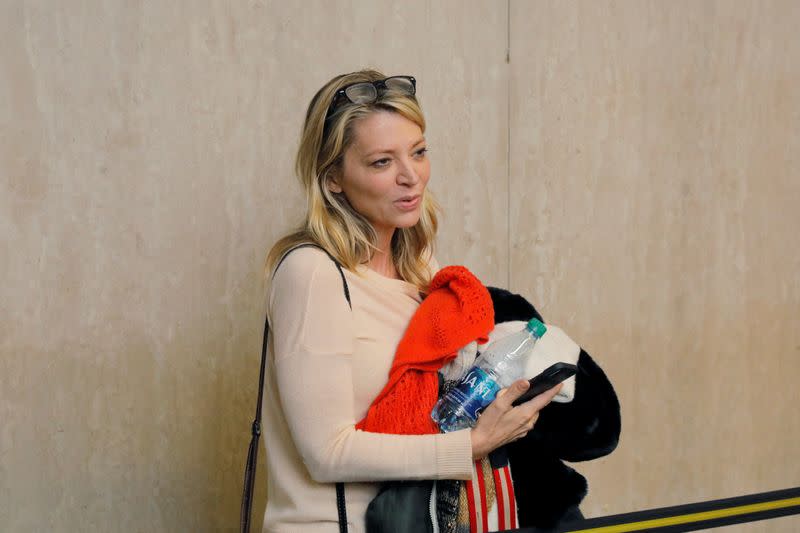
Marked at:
<point>146,166</point>
<point>631,169</point>
<point>654,150</point>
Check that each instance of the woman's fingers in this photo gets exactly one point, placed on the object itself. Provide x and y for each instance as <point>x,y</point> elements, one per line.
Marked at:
<point>507,396</point>
<point>537,403</point>
<point>502,423</point>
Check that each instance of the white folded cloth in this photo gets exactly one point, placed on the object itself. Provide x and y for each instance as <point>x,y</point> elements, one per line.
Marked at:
<point>554,347</point>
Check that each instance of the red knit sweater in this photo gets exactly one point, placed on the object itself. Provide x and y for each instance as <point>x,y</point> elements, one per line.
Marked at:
<point>457,311</point>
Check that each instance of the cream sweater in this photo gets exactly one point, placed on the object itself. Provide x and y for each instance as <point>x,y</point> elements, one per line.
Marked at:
<point>326,364</point>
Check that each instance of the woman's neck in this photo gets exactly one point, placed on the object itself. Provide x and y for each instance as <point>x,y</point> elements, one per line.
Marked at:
<point>381,260</point>
<point>383,265</point>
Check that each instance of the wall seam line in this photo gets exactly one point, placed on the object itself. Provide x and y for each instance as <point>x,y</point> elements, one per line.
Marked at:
<point>508,145</point>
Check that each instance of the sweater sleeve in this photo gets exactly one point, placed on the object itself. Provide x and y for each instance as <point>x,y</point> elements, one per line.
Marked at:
<point>313,341</point>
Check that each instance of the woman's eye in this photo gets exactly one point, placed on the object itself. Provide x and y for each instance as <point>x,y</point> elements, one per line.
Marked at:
<point>381,162</point>
<point>422,151</point>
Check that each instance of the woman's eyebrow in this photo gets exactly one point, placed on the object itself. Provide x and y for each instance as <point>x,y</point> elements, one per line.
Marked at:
<point>378,151</point>
<point>389,151</point>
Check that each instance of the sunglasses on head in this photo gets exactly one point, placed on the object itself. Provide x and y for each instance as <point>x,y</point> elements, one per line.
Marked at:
<point>366,92</point>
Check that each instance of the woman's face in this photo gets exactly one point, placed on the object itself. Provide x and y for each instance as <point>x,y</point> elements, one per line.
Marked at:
<point>385,172</point>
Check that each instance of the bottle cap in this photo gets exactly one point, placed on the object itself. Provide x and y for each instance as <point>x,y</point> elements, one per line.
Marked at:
<point>536,327</point>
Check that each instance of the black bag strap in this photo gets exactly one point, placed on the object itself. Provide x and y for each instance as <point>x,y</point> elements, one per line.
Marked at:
<point>252,452</point>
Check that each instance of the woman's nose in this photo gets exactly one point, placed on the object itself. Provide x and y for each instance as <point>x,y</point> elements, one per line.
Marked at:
<point>407,174</point>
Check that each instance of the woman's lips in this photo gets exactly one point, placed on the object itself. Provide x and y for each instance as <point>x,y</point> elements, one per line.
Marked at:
<point>407,204</point>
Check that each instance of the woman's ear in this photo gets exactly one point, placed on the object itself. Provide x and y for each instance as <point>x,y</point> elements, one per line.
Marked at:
<point>333,181</point>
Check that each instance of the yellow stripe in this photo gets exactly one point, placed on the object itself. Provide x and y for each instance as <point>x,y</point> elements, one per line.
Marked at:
<point>694,517</point>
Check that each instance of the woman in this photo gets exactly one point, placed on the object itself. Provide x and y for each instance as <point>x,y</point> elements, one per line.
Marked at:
<point>364,166</point>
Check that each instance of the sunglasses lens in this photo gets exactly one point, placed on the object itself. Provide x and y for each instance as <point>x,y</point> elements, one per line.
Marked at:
<point>400,84</point>
<point>361,93</point>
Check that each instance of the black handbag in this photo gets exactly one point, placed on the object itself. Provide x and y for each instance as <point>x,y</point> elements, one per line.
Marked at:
<point>402,507</point>
<point>252,452</point>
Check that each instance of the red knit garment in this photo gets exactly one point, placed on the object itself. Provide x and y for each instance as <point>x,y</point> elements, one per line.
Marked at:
<point>457,311</point>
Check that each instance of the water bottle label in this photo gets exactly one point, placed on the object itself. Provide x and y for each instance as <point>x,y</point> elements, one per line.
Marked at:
<point>476,390</point>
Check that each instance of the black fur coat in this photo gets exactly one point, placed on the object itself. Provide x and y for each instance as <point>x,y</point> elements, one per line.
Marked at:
<point>548,492</point>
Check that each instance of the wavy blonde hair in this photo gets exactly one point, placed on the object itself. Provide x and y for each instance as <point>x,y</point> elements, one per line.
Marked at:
<point>330,222</point>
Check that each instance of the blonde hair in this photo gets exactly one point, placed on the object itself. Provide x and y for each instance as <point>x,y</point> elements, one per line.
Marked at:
<point>330,222</point>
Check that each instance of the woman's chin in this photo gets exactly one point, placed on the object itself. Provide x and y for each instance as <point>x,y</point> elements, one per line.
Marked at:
<point>407,220</point>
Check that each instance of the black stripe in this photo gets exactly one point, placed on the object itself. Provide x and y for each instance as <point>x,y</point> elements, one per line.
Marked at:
<point>727,521</point>
<point>677,510</point>
<point>688,509</point>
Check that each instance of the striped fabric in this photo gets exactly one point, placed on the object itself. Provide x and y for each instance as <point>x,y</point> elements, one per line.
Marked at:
<point>506,503</point>
<point>490,498</point>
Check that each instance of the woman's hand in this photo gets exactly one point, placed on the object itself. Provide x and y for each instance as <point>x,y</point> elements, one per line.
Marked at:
<point>502,423</point>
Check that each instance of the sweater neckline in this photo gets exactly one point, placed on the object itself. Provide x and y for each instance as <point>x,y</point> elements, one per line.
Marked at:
<point>391,283</point>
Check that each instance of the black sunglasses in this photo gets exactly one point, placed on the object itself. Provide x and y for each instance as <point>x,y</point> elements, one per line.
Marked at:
<point>366,92</point>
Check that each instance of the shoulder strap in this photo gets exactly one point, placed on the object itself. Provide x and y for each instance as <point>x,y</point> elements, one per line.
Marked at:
<point>252,452</point>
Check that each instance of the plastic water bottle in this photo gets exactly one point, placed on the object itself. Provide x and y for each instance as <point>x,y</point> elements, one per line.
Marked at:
<point>501,364</point>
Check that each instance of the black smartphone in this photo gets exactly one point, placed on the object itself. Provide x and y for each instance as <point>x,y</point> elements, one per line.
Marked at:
<point>549,378</point>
